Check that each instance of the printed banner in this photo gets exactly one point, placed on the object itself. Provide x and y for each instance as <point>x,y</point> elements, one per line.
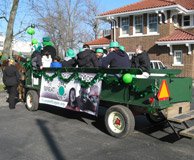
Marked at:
<point>71,95</point>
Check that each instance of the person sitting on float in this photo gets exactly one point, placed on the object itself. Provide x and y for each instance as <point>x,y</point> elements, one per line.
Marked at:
<point>56,63</point>
<point>69,60</point>
<point>99,54</point>
<point>116,58</point>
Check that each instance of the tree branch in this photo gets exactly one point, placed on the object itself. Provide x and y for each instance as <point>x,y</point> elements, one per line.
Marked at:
<point>21,31</point>
<point>4,18</point>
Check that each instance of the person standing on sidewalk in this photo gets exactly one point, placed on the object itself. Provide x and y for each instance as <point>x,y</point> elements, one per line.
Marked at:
<point>11,79</point>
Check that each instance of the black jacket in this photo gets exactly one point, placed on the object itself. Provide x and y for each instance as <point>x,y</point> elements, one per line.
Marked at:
<point>118,59</point>
<point>141,61</point>
<point>11,76</point>
<point>69,62</point>
<point>87,58</point>
<point>36,60</point>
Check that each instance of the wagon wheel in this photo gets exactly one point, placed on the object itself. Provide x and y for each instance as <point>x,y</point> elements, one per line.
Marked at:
<point>32,100</point>
<point>119,121</point>
<point>155,118</point>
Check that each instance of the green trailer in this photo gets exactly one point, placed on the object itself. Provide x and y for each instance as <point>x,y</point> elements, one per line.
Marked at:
<point>164,98</point>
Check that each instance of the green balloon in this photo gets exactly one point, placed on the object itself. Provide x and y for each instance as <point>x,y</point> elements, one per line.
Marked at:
<point>127,78</point>
<point>32,25</point>
<point>31,31</point>
<point>34,41</point>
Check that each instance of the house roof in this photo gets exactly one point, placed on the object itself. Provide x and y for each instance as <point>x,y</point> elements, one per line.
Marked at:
<point>178,35</point>
<point>148,4</point>
<point>188,4</point>
<point>100,41</point>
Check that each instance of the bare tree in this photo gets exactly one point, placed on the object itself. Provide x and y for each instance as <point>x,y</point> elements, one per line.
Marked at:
<point>92,10</point>
<point>61,20</point>
<point>9,32</point>
<point>10,35</point>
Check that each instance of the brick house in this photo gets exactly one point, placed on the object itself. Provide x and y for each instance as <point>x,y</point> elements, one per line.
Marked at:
<point>164,27</point>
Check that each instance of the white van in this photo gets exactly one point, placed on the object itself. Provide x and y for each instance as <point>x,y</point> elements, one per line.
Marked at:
<point>157,64</point>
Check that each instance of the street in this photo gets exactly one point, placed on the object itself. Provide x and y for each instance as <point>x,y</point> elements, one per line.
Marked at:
<point>53,133</point>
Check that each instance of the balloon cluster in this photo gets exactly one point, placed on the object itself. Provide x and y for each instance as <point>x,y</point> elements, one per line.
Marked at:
<point>31,31</point>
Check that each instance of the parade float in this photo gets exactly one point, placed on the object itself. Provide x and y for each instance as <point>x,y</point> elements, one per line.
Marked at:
<point>161,99</point>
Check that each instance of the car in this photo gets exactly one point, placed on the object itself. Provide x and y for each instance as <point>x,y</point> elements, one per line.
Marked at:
<point>157,64</point>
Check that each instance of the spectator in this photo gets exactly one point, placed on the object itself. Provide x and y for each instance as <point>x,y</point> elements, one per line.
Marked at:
<point>99,54</point>
<point>11,79</point>
<point>87,57</point>
<point>141,60</point>
<point>46,59</point>
<point>69,60</point>
<point>116,58</point>
<point>56,63</point>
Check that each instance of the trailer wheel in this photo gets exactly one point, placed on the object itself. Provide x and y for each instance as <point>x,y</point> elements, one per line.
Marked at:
<point>119,121</point>
<point>154,118</point>
<point>32,100</point>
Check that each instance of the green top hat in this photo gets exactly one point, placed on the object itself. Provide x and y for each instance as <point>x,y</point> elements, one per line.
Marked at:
<point>47,43</point>
<point>70,53</point>
<point>100,51</point>
<point>114,45</point>
<point>122,48</point>
<point>46,39</point>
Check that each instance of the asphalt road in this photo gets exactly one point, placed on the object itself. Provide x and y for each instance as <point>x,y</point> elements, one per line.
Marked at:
<point>58,134</point>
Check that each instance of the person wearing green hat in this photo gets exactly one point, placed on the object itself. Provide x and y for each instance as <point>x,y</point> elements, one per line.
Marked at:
<point>116,58</point>
<point>70,60</point>
<point>87,57</point>
<point>122,48</point>
<point>99,55</point>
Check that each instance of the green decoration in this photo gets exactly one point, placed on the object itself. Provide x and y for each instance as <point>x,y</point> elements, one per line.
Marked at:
<point>34,41</point>
<point>47,44</point>
<point>46,39</point>
<point>31,31</point>
<point>32,25</point>
<point>3,58</point>
<point>127,78</point>
<point>20,54</point>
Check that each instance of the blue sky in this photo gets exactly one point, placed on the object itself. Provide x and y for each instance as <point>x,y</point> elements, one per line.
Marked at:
<point>112,4</point>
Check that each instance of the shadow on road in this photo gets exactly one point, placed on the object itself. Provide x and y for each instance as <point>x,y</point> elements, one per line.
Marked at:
<point>161,131</point>
<point>50,140</point>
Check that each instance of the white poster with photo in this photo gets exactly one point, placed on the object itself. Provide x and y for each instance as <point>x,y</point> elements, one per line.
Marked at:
<point>71,95</point>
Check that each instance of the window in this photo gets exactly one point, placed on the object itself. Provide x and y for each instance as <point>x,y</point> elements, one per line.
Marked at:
<point>1,43</point>
<point>175,20</point>
<point>186,21</point>
<point>153,23</point>
<point>125,25</point>
<point>138,23</point>
<point>156,65</point>
<point>178,57</point>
